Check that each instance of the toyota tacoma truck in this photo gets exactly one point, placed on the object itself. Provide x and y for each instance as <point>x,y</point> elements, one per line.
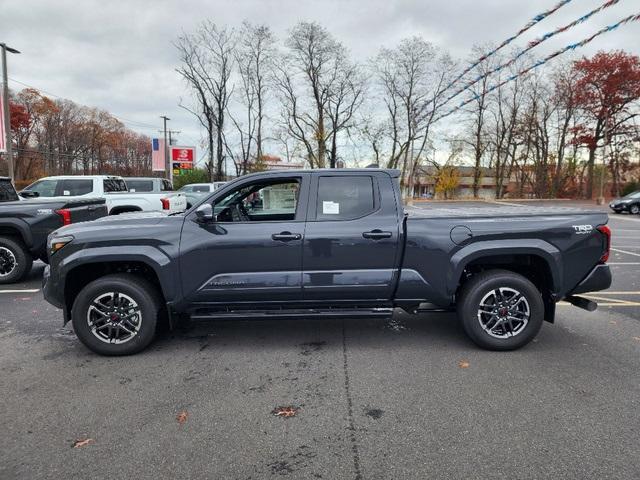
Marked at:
<point>334,243</point>
<point>25,225</point>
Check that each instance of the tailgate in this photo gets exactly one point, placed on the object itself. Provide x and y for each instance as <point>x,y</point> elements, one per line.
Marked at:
<point>86,210</point>
<point>177,202</point>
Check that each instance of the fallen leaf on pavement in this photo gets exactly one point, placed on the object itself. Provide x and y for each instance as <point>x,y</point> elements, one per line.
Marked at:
<point>637,339</point>
<point>463,364</point>
<point>182,417</point>
<point>285,411</point>
<point>83,443</point>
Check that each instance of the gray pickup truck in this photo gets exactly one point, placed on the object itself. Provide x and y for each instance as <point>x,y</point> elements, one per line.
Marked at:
<point>324,243</point>
<point>25,225</point>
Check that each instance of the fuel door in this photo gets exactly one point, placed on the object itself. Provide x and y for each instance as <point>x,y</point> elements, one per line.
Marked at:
<point>460,234</point>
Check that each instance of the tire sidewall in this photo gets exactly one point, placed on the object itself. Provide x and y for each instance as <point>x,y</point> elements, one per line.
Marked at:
<point>634,209</point>
<point>136,288</point>
<point>473,294</point>
<point>23,260</point>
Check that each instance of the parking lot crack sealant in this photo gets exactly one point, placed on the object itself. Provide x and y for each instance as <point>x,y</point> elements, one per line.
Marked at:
<point>352,426</point>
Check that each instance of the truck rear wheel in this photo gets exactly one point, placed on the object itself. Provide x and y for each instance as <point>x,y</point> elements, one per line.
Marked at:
<point>500,310</point>
<point>116,314</point>
<point>15,260</point>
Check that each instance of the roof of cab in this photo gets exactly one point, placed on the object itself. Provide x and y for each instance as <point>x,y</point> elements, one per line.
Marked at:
<point>326,171</point>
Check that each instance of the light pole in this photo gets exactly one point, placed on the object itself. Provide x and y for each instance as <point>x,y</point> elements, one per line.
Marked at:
<point>5,103</point>
<point>167,160</point>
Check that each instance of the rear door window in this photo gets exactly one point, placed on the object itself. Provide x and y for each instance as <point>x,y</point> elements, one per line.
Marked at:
<point>114,185</point>
<point>345,198</point>
<point>201,188</point>
<point>76,187</point>
<point>7,192</point>
<point>140,185</point>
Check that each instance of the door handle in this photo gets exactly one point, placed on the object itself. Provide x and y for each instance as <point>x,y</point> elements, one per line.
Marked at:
<point>286,236</point>
<point>376,234</point>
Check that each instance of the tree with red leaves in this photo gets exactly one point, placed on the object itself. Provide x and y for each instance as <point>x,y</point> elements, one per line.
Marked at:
<point>607,90</point>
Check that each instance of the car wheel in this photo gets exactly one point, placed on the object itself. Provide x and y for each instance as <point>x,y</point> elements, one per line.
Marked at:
<point>634,209</point>
<point>500,310</point>
<point>15,260</point>
<point>116,314</point>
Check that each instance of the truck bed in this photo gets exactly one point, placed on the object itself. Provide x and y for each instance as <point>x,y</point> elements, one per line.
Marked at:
<point>465,211</point>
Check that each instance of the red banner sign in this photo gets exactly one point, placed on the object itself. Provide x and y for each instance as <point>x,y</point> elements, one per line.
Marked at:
<point>183,154</point>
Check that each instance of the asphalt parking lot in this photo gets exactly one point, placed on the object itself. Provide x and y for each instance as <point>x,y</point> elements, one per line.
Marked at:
<point>408,398</point>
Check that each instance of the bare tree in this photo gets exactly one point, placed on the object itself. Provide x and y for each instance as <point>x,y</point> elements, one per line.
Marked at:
<point>320,90</point>
<point>411,79</point>
<point>207,61</point>
<point>477,111</point>
<point>254,58</point>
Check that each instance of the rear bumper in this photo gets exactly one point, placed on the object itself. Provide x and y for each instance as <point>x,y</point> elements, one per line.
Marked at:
<point>598,279</point>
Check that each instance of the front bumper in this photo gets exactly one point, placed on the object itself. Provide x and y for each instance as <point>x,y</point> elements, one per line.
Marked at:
<point>52,293</point>
<point>598,279</point>
<point>619,207</point>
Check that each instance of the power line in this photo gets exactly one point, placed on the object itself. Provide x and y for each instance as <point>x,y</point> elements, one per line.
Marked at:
<point>532,44</point>
<point>572,46</point>
<point>122,119</point>
<point>535,20</point>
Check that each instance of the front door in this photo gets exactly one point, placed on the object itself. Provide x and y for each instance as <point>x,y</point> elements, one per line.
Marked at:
<point>351,240</point>
<point>252,252</point>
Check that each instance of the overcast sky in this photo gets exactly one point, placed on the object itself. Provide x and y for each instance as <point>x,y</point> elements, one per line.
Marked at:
<point>117,55</point>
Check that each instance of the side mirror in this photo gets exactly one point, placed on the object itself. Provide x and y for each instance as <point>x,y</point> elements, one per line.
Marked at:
<point>28,194</point>
<point>204,213</point>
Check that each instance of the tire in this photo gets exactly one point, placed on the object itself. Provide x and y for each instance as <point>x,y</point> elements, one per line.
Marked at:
<point>634,209</point>
<point>507,324</point>
<point>133,292</point>
<point>15,260</point>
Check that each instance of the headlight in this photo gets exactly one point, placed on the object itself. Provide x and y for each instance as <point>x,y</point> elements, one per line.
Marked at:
<point>56,243</point>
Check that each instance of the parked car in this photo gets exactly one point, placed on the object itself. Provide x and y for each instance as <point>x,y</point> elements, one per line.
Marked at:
<point>112,188</point>
<point>25,225</point>
<point>629,203</point>
<point>197,191</point>
<point>325,242</point>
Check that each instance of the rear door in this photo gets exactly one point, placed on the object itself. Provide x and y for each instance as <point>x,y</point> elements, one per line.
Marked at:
<point>350,247</point>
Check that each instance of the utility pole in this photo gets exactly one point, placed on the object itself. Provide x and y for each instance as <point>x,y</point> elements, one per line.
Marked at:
<point>169,133</point>
<point>167,160</point>
<point>600,199</point>
<point>5,103</point>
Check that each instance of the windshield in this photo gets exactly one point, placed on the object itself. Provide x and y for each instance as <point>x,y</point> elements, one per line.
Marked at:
<point>633,195</point>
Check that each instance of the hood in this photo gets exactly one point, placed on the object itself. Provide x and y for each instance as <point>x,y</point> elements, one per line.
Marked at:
<point>112,222</point>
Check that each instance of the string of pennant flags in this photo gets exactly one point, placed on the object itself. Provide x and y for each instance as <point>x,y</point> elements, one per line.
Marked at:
<point>538,18</point>
<point>572,46</point>
<point>532,44</point>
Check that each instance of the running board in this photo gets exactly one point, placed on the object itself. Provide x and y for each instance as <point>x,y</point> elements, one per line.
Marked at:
<point>241,314</point>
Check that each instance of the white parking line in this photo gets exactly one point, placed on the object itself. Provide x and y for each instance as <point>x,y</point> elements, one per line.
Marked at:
<point>627,253</point>
<point>623,263</point>
<point>26,290</point>
<point>624,218</point>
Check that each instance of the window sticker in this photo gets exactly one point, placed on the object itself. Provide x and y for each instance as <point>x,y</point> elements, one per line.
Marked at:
<point>330,208</point>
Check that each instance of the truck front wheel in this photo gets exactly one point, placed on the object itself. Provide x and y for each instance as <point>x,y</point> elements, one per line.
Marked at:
<point>15,260</point>
<point>116,314</point>
<point>500,310</point>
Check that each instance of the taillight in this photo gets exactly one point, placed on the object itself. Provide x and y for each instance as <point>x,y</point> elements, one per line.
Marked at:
<point>66,216</point>
<point>606,231</point>
<point>165,203</point>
